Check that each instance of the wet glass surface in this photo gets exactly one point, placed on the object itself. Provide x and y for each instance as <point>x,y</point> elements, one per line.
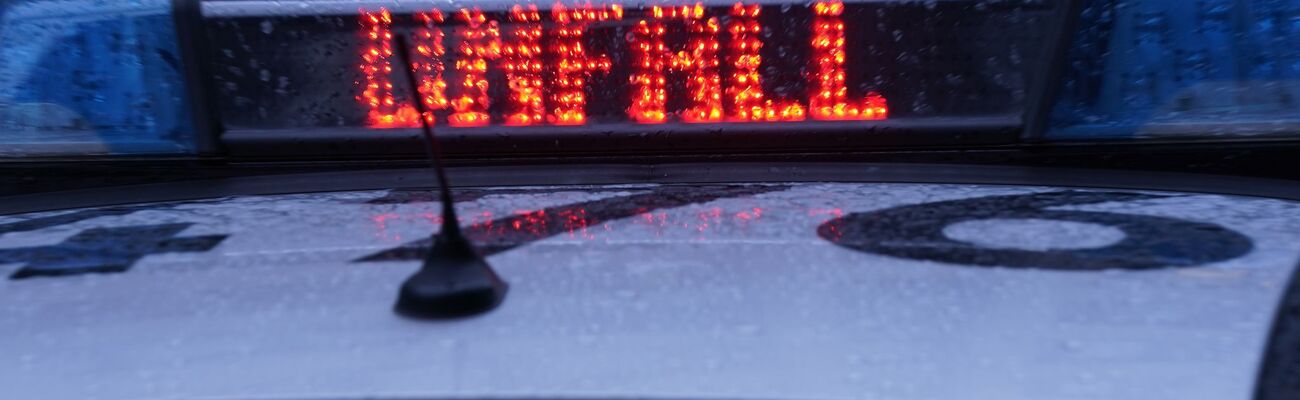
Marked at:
<point>1174,68</point>
<point>91,77</point>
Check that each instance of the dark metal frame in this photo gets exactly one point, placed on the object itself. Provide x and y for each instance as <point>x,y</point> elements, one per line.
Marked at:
<point>1046,85</point>
<point>192,42</point>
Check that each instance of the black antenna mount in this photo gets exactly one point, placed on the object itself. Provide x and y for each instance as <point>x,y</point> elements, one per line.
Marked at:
<point>455,280</point>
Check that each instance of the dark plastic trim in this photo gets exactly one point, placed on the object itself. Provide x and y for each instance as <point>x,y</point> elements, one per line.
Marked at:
<point>1279,372</point>
<point>595,174</point>
<point>623,139</point>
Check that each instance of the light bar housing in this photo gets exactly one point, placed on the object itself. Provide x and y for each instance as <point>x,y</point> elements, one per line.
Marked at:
<point>318,78</point>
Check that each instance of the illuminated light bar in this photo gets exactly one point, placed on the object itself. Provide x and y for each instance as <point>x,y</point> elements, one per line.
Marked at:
<point>748,100</point>
<point>649,86</point>
<point>697,64</point>
<point>430,50</point>
<point>377,92</point>
<point>829,99</point>
<point>523,66</point>
<point>480,42</point>
<point>548,67</point>
<point>573,65</point>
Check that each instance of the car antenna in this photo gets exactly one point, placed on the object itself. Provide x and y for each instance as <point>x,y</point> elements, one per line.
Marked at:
<point>455,280</point>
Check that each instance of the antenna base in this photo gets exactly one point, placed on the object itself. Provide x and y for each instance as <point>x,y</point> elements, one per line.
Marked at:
<point>455,282</point>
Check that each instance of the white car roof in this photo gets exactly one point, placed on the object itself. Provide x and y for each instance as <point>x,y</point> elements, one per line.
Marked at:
<point>782,291</point>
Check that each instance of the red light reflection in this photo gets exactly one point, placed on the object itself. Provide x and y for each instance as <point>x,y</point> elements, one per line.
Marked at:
<point>827,215</point>
<point>381,222</point>
<point>577,223</point>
